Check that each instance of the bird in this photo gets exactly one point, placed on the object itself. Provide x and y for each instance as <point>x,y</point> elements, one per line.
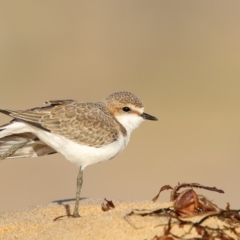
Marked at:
<point>84,133</point>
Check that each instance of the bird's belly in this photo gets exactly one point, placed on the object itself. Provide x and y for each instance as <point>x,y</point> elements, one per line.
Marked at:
<point>82,155</point>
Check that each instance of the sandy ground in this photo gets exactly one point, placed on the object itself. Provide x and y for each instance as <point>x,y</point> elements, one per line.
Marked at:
<point>40,222</point>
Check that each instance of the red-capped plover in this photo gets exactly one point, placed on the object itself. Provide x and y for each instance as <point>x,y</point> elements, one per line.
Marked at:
<point>84,133</point>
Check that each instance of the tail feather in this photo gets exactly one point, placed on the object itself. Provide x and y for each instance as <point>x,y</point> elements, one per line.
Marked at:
<point>19,145</point>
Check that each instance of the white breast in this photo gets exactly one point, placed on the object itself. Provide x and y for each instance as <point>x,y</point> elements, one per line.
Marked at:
<point>82,155</point>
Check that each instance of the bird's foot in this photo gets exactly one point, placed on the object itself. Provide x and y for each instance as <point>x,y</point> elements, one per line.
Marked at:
<point>76,214</point>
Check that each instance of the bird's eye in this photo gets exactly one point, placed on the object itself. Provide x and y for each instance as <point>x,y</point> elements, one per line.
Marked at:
<point>126,109</point>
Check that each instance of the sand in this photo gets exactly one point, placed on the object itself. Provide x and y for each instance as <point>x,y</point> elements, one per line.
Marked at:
<point>39,222</point>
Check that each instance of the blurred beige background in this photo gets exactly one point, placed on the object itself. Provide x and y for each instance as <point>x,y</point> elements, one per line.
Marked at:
<point>182,58</point>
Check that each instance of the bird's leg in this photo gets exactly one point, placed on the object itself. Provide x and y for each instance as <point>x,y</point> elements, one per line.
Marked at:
<point>13,149</point>
<point>79,186</point>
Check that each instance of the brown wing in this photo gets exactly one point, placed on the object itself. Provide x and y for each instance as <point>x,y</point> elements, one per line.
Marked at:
<point>85,123</point>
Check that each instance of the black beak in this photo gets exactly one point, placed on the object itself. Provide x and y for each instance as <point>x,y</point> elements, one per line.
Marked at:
<point>148,117</point>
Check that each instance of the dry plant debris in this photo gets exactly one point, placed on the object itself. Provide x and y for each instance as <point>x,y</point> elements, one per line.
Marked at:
<point>187,203</point>
<point>107,205</point>
<point>192,216</point>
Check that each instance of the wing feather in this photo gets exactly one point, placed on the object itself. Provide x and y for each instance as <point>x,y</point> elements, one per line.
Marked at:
<point>86,123</point>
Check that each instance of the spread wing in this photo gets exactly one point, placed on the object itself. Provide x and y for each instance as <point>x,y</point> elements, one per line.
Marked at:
<point>31,147</point>
<point>85,123</point>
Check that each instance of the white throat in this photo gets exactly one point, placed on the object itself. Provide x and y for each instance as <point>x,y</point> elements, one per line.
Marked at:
<point>130,122</point>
